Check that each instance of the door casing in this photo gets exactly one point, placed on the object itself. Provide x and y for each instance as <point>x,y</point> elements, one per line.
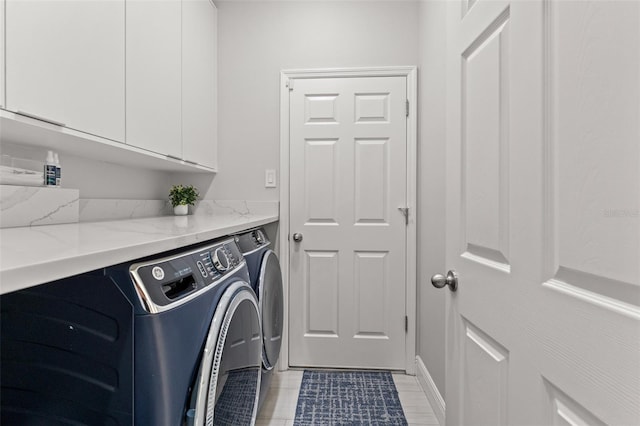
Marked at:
<point>411,74</point>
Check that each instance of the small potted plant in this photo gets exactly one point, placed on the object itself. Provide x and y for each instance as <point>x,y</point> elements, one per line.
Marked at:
<point>182,197</point>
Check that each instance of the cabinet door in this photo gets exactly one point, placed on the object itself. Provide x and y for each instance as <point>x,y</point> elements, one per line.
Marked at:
<point>65,63</point>
<point>199,68</point>
<point>154,75</point>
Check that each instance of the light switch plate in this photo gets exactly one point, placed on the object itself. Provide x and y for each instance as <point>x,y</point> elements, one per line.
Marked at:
<point>270,178</point>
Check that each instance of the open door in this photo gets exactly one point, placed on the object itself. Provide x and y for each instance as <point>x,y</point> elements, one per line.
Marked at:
<point>543,229</point>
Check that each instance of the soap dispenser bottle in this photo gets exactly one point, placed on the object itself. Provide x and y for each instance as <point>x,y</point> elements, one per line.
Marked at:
<point>50,170</point>
<point>58,170</point>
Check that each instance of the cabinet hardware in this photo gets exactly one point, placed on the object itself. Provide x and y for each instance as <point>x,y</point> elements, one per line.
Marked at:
<point>37,117</point>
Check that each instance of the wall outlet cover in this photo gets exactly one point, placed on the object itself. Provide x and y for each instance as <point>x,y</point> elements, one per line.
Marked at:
<point>270,178</point>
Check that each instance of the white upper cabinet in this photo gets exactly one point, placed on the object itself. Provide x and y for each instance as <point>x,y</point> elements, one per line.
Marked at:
<point>65,63</point>
<point>136,71</point>
<point>154,75</point>
<point>199,66</point>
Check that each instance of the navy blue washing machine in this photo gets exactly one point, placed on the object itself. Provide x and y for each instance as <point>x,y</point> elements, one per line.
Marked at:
<point>266,280</point>
<point>173,340</point>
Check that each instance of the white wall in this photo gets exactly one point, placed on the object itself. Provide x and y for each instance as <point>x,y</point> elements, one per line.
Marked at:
<point>258,39</point>
<point>431,187</point>
<point>98,179</point>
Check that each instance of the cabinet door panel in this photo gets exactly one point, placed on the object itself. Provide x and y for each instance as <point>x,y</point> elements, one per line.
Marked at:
<point>154,75</point>
<point>65,63</point>
<point>199,106</point>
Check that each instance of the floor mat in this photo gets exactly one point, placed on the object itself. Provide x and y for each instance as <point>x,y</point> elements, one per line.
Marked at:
<point>237,400</point>
<point>348,398</point>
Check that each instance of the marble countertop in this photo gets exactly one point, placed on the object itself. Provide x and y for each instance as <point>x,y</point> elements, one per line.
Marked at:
<point>35,255</point>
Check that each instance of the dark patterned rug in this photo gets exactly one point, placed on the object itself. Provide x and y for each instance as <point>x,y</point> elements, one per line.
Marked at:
<point>238,398</point>
<point>348,398</point>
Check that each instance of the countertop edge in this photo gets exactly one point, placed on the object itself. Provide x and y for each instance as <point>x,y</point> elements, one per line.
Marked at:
<point>31,275</point>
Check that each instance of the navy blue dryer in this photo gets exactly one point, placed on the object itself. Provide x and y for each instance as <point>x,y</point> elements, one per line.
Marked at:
<point>266,280</point>
<point>171,340</point>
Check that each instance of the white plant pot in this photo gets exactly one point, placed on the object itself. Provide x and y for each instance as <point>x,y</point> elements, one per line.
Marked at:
<point>181,210</point>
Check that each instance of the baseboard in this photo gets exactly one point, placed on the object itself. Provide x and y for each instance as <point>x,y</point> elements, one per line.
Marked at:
<point>430,390</point>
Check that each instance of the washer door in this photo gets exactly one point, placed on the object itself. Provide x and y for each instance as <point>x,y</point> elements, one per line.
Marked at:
<point>227,388</point>
<point>270,296</point>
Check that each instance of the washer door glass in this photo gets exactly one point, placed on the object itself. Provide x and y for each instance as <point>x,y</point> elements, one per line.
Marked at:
<point>228,384</point>
<point>271,307</point>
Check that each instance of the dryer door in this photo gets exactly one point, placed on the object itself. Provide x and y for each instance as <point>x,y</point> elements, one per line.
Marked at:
<point>228,383</point>
<point>271,308</point>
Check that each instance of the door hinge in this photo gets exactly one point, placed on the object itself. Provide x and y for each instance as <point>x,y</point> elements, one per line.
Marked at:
<point>406,324</point>
<point>290,84</point>
<point>405,212</point>
<point>407,107</point>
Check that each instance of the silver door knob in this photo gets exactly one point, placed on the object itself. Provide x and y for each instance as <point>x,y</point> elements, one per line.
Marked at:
<point>297,237</point>
<point>439,280</point>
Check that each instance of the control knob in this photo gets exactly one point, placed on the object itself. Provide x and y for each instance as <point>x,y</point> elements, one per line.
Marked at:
<point>258,236</point>
<point>221,260</point>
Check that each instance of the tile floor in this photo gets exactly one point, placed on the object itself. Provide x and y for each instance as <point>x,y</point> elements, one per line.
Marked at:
<point>279,408</point>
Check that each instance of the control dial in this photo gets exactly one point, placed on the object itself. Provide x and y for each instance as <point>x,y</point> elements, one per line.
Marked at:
<point>221,260</point>
<point>258,236</point>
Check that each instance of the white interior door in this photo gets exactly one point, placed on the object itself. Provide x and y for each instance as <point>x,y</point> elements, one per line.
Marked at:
<point>543,226</point>
<point>2,53</point>
<point>348,144</point>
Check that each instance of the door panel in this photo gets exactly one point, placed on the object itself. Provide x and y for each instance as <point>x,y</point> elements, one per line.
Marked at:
<point>348,178</point>
<point>485,89</point>
<point>486,367</point>
<point>371,284</point>
<point>543,181</point>
<point>320,191</point>
<point>593,195</point>
<point>321,287</point>
<point>566,412</point>
<point>371,181</point>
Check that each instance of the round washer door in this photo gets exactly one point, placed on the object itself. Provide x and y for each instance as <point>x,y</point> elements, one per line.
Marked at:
<point>270,296</point>
<point>228,384</point>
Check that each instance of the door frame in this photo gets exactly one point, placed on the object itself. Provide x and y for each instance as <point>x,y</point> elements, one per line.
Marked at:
<point>411,73</point>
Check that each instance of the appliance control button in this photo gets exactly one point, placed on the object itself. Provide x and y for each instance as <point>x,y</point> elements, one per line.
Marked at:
<point>258,236</point>
<point>220,260</point>
<point>202,269</point>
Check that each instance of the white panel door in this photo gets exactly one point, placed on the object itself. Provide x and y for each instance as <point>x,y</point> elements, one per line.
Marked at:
<point>154,34</point>
<point>65,63</point>
<point>348,147</point>
<point>199,76</point>
<point>2,54</point>
<point>543,223</point>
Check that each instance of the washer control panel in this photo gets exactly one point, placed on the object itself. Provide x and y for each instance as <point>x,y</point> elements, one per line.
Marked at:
<point>252,240</point>
<point>165,282</point>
